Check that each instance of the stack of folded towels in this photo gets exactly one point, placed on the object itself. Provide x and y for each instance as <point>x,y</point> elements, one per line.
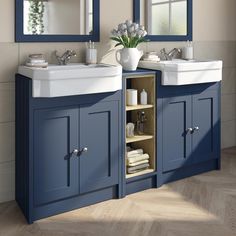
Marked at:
<point>136,161</point>
<point>36,60</point>
<point>151,57</point>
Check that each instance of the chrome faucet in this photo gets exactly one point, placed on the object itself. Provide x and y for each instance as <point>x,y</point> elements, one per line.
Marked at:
<point>169,56</point>
<point>66,56</point>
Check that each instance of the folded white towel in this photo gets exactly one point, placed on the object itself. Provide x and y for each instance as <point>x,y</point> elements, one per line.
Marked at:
<point>131,160</point>
<point>135,169</point>
<point>151,60</point>
<point>36,61</point>
<point>134,152</point>
<point>37,65</point>
<point>138,163</point>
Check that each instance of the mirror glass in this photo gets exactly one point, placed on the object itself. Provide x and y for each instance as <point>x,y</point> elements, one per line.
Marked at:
<point>58,17</point>
<point>164,17</point>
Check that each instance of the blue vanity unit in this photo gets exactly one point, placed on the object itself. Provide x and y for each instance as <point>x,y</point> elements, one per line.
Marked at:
<point>188,133</point>
<point>70,150</point>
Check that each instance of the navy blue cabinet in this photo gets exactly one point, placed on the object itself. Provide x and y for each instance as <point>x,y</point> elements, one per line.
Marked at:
<point>176,139</point>
<point>68,150</point>
<point>99,134</point>
<point>188,130</point>
<point>55,173</point>
<point>58,172</point>
<point>206,133</point>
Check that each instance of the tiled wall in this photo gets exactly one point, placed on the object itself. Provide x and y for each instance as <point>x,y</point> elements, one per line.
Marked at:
<point>214,36</point>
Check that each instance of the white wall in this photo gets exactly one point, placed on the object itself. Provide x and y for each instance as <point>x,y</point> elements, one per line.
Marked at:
<point>214,36</point>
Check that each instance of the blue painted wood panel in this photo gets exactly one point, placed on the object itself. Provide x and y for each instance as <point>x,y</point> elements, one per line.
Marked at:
<point>176,140</point>
<point>99,132</point>
<point>56,175</point>
<point>205,117</point>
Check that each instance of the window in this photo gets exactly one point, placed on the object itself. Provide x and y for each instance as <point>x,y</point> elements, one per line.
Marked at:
<point>166,17</point>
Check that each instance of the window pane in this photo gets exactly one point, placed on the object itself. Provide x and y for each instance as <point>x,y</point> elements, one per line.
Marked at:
<point>160,19</point>
<point>159,1</point>
<point>179,18</point>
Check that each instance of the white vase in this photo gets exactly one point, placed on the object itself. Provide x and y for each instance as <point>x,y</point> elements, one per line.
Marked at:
<point>129,58</point>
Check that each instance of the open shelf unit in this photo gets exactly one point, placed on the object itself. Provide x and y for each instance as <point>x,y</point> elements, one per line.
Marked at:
<point>147,142</point>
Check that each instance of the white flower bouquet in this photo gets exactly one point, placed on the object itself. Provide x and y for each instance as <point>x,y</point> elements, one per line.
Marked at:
<point>129,34</point>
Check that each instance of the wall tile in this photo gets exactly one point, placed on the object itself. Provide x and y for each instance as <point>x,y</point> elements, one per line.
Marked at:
<point>7,179</point>
<point>221,50</point>
<point>7,102</point>
<point>8,61</point>
<point>229,81</point>
<point>214,20</point>
<point>48,50</point>
<point>113,13</point>
<point>7,18</point>
<point>7,142</point>
<point>157,46</point>
<point>228,107</point>
<point>228,130</point>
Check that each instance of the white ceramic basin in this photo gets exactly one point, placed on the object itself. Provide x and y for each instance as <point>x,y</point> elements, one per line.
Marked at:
<point>181,72</point>
<point>73,79</point>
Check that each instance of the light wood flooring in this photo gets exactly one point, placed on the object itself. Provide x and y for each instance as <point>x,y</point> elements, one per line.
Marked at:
<point>203,205</point>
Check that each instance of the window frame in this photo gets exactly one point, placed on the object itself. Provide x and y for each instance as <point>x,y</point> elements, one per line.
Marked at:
<point>188,36</point>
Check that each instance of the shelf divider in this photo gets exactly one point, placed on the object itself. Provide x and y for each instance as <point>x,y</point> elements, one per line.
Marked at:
<point>138,138</point>
<point>143,172</point>
<point>139,107</point>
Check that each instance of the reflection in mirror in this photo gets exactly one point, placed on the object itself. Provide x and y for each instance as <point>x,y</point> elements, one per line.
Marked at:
<point>58,17</point>
<point>164,17</point>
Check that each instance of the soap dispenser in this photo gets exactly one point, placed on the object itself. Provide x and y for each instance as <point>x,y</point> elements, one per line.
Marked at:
<point>143,97</point>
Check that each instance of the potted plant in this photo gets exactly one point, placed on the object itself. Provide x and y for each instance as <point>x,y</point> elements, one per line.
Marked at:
<point>36,13</point>
<point>129,35</point>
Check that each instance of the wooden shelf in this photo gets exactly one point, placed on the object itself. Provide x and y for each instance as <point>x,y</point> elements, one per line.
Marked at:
<point>139,107</point>
<point>138,138</point>
<point>143,172</point>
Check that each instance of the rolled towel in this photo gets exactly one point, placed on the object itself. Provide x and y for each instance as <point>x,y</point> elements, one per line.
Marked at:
<point>135,169</point>
<point>134,152</point>
<point>137,158</point>
<point>138,163</point>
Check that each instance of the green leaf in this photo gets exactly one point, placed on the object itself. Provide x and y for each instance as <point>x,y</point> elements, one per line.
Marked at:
<point>118,44</point>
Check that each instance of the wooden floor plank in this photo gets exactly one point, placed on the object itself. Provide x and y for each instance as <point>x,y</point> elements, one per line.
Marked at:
<point>202,205</point>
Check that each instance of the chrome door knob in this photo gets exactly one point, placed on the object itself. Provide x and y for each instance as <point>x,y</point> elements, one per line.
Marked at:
<point>196,129</point>
<point>189,130</point>
<point>83,150</point>
<point>75,152</point>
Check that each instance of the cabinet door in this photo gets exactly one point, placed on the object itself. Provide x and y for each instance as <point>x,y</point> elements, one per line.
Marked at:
<point>55,173</point>
<point>176,140</point>
<point>100,135</point>
<point>206,138</point>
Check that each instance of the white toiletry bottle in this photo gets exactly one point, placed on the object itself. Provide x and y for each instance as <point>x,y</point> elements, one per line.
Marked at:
<point>91,53</point>
<point>143,97</point>
<point>188,51</point>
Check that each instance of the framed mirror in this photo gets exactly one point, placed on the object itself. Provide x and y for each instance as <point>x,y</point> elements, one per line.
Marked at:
<point>57,20</point>
<point>165,20</point>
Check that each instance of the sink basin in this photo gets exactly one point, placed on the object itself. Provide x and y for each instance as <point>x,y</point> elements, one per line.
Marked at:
<point>73,79</point>
<point>182,72</point>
